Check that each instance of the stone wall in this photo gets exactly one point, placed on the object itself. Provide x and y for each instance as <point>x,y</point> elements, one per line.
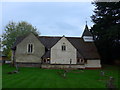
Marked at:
<point>93,64</point>
<point>21,54</point>
<point>48,66</point>
<point>63,57</point>
<point>29,65</point>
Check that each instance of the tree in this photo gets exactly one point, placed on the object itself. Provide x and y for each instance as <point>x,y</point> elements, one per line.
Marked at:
<point>14,30</point>
<point>106,29</point>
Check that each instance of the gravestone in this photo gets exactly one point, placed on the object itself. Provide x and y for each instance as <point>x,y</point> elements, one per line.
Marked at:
<point>102,73</point>
<point>111,84</point>
<point>17,69</point>
<point>64,74</point>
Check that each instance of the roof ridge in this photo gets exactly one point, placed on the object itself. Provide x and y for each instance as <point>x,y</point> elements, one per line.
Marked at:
<point>49,36</point>
<point>59,37</point>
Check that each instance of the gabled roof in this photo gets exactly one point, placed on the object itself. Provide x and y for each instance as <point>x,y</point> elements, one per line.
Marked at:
<point>86,31</point>
<point>86,50</point>
<point>79,55</point>
<point>48,41</point>
<point>46,55</point>
<point>20,38</point>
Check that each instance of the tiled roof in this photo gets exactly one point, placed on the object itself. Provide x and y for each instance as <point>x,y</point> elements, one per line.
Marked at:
<point>18,40</point>
<point>86,50</point>
<point>48,42</point>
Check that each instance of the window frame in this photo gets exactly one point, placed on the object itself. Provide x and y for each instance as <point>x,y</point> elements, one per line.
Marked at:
<point>80,61</point>
<point>63,47</point>
<point>30,48</point>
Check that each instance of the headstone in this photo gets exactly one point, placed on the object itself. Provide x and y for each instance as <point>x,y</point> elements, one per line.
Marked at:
<point>111,84</point>
<point>16,67</point>
<point>64,74</point>
<point>102,73</point>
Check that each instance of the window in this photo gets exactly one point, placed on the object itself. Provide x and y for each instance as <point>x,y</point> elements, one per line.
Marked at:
<point>30,48</point>
<point>63,48</point>
<point>85,61</point>
<point>46,60</point>
<point>82,61</point>
<point>70,61</point>
<point>78,60</point>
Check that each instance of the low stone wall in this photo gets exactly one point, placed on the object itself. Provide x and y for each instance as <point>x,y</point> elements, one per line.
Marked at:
<point>55,66</point>
<point>28,64</point>
<point>49,66</point>
<point>93,64</point>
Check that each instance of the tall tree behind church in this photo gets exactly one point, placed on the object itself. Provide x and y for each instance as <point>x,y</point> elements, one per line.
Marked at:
<point>14,30</point>
<point>106,30</point>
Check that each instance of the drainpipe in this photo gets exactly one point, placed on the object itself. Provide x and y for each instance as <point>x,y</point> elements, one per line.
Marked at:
<point>70,63</point>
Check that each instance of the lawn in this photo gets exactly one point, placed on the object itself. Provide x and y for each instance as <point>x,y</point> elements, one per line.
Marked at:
<point>0,76</point>
<point>49,78</point>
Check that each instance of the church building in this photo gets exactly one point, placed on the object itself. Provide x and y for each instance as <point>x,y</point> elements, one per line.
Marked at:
<point>56,52</point>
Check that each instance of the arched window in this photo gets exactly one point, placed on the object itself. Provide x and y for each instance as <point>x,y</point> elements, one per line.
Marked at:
<point>82,61</point>
<point>30,48</point>
<point>44,60</point>
<point>63,48</point>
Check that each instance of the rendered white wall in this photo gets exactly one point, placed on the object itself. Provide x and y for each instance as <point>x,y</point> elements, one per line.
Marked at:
<point>93,63</point>
<point>63,57</point>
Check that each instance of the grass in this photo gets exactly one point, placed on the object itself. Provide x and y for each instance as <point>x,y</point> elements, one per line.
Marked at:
<point>49,78</point>
<point>0,76</point>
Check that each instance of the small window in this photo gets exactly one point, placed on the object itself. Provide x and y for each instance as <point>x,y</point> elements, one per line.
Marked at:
<point>48,60</point>
<point>70,61</point>
<point>63,48</point>
<point>82,61</point>
<point>30,48</point>
<point>44,60</point>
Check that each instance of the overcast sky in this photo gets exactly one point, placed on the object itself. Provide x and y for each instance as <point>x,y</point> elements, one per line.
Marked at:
<point>50,18</point>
